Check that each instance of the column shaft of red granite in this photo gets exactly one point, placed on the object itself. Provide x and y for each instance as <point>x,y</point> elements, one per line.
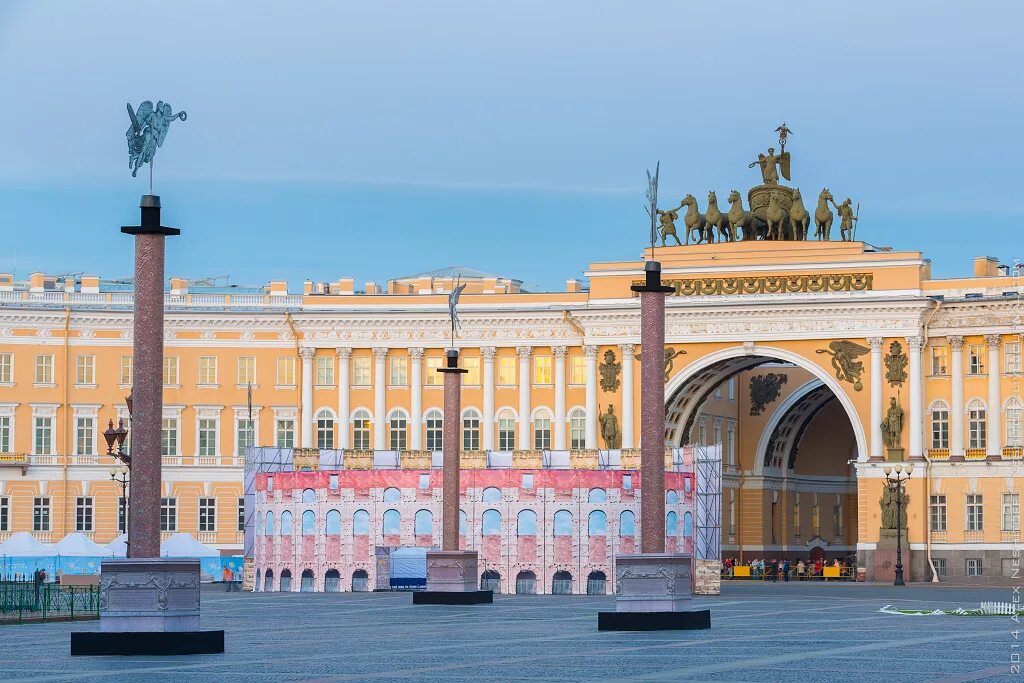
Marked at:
<point>147,396</point>
<point>450,465</point>
<point>652,422</point>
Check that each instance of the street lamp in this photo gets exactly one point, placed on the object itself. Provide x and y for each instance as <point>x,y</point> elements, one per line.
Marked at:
<point>116,437</point>
<point>895,478</point>
<point>120,476</point>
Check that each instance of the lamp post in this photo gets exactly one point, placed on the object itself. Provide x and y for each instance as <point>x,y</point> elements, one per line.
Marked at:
<point>119,475</point>
<point>116,437</point>
<point>895,478</point>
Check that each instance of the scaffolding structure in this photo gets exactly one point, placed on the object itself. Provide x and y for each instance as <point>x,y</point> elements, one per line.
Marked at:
<point>708,503</point>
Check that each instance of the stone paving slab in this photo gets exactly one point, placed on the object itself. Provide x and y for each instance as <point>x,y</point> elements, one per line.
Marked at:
<point>781,632</point>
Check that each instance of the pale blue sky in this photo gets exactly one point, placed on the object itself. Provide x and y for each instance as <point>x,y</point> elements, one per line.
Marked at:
<point>376,139</point>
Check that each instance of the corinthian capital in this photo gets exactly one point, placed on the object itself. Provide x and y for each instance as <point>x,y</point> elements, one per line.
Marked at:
<point>344,353</point>
<point>307,353</point>
<point>524,352</point>
<point>380,353</point>
<point>559,352</point>
<point>993,340</point>
<point>416,354</point>
<point>590,352</point>
<point>487,352</point>
<point>956,342</point>
<point>875,343</point>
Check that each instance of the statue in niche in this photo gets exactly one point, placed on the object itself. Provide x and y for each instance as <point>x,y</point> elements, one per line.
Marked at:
<point>610,429</point>
<point>892,425</point>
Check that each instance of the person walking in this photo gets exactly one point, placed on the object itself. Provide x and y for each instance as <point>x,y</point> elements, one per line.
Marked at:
<point>785,570</point>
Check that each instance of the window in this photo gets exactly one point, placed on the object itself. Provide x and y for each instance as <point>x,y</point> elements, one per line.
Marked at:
<point>5,434</point>
<point>796,519</point>
<point>424,481</point>
<point>976,424</point>
<point>491,494</point>
<point>392,522</point>
<point>472,366</point>
<point>285,371</point>
<point>471,430</point>
<point>6,368</point>
<point>976,359</point>
<point>506,371</point>
<point>168,514</point>
<point>241,514</point>
<point>732,388</point>
<point>333,482</point>
<point>247,370</point>
<point>286,523</point>
<point>597,523</point>
<point>308,523</point>
<point>169,436</point>
<point>730,445</point>
<point>245,432</point>
<point>940,425</point>
<point>940,566</point>
<point>563,523</point>
<point>333,525</point>
<point>44,369</point>
<point>391,495</point>
<point>361,430</point>
<point>43,435</point>
<point>938,513</point>
<point>361,371</point>
<point>399,371</point>
<point>433,377</point>
<point>526,523</point>
<point>627,523</point>
<point>397,430</point>
<point>41,513</point>
<point>528,480</point>
<point>85,369</point>
<point>360,523</point>
<point>577,370</point>
<point>627,482</point>
<point>83,513</point>
<point>940,361</point>
<point>542,369</point>
<point>597,496</point>
<point>490,523</point>
<point>5,514</point>
<point>702,432</point>
<point>717,433</point>
<point>815,520</point>
<point>325,371</point>
<point>718,391</point>
<point>207,437</point>
<point>324,429</point>
<point>423,523</point>
<point>126,370</point>
<point>1012,413</point>
<point>837,521</point>
<point>85,433</point>
<point>506,430</point>
<point>285,433</point>
<point>207,370</point>
<point>542,431</point>
<point>1011,512</point>
<point>973,567</point>
<point>434,429</point>
<point>975,512</point>
<point>170,371</point>
<point>671,524</point>
<point>577,429</point>
<point>207,514</point>
<point>1011,357</point>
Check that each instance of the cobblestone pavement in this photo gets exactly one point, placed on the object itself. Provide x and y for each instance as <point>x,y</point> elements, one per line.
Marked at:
<point>797,633</point>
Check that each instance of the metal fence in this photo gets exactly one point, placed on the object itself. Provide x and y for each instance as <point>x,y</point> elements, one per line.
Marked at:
<point>24,602</point>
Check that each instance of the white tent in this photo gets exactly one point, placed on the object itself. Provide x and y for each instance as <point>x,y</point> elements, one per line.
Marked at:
<point>78,544</point>
<point>23,544</point>
<point>184,545</point>
<point>119,546</point>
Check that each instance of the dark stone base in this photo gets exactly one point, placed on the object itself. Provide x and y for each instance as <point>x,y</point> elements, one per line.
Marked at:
<point>654,621</point>
<point>452,598</point>
<point>92,643</point>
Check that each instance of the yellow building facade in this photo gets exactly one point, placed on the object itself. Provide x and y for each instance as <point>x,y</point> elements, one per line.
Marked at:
<point>788,354</point>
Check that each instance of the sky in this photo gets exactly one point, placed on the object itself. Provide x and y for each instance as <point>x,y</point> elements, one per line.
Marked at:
<point>378,139</point>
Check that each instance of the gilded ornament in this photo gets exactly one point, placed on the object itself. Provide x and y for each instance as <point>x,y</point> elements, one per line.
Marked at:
<point>892,425</point>
<point>610,429</point>
<point>609,370</point>
<point>896,365</point>
<point>844,361</point>
<point>764,389</point>
<point>772,284</point>
<point>670,356</point>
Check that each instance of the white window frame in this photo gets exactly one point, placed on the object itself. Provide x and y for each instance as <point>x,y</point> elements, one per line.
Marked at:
<point>471,432</point>
<point>1013,419</point>
<point>284,372</point>
<point>42,373</point>
<point>434,433</point>
<point>1012,357</point>
<point>506,432</point>
<point>577,429</point>
<point>362,371</point>
<point>974,512</point>
<point>976,359</point>
<point>324,371</point>
<point>325,415</point>
<point>242,415</point>
<point>977,424</point>
<point>7,424</point>
<point>361,423</point>
<point>1011,512</point>
<point>206,364</point>
<point>206,414</point>
<point>507,371</point>
<point>245,373</point>
<point>170,371</point>
<point>85,370</point>
<point>472,366</point>
<point>6,369</point>
<point>210,505</point>
<point>85,514</point>
<point>939,426</point>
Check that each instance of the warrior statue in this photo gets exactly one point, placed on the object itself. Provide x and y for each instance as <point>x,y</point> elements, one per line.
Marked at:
<point>847,219</point>
<point>668,224</point>
<point>892,425</point>
<point>610,429</point>
<point>768,162</point>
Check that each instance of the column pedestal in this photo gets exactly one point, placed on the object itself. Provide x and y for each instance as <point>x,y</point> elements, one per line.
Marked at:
<point>451,580</point>
<point>653,594</point>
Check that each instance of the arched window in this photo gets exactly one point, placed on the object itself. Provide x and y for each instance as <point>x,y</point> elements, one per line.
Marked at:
<point>542,429</point>
<point>286,581</point>
<point>597,583</point>
<point>491,495</point>
<point>687,486</point>
<point>940,425</point>
<point>463,522</point>
<point>332,581</point>
<point>308,496</point>
<point>392,495</point>
<point>1013,411</point>
<point>627,523</point>
<point>435,425</point>
<point>491,523</point>
<point>333,523</point>
<point>392,522</point>
<point>268,581</point>
<point>526,583</point>
<point>671,524</point>
<point>577,429</point>
<point>526,523</point>
<point>490,580</point>
<point>563,523</point>
<point>360,581</point>
<point>671,497</point>
<point>687,525</point>
<point>398,430</point>
<point>597,496</point>
<point>506,430</point>
<point>325,429</point>
<point>308,523</point>
<point>286,525</point>
<point>361,523</point>
<point>976,424</point>
<point>361,430</point>
<point>561,583</point>
<point>269,530</point>
<point>471,430</point>
<point>423,523</point>
<point>306,581</point>
<point>597,523</point>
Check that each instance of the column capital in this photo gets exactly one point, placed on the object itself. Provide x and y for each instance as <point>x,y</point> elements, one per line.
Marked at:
<point>307,352</point>
<point>524,352</point>
<point>875,343</point>
<point>956,342</point>
<point>627,349</point>
<point>590,351</point>
<point>416,354</point>
<point>344,353</point>
<point>559,352</point>
<point>380,352</point>
<point>993,340</point>
<point>915,343</point>
<point>487,353</point>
